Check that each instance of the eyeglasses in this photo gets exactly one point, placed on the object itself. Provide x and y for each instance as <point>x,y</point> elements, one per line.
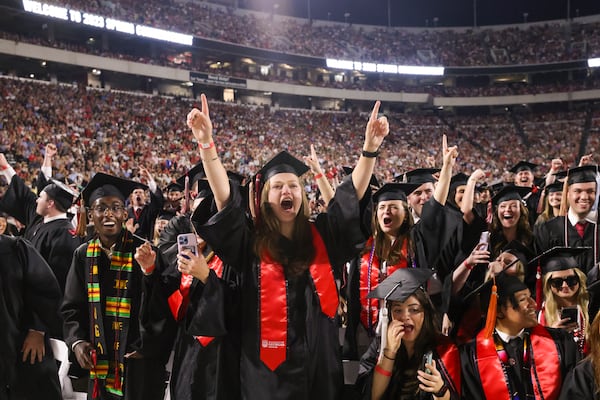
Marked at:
<point>571,280</point>
<point>102,209</point>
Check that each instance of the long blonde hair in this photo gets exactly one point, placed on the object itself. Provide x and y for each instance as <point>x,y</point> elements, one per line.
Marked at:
<point>551,313</point>
<point>268,232</point>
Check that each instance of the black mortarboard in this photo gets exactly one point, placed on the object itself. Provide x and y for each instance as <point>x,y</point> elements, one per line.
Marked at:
<point>102,185</point>
<point>235,177</point>
<point>165,214</point>
<point>282,162</point>
<point>510,192</point>
<point>523,166</point>
<point>458,180</point>
<point>516,248</point>
<point>497,186</point>
<point>559,258</point>
<point>421,175</point>
<point>60,193</point>
<point>174,187</point>
<point>481,187</point>
<point>195,174</point>
<point>554,187</point>
<point>587,173</point>
<point>400,285</point>
<point>203,188</point>
<point>373,182</point>
<point>394,191</point>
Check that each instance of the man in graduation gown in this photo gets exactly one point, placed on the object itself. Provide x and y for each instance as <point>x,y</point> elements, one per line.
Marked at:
<point>523,177</point>
<point>51,233</point>
<point>28,288</point>
<point>514,357</point>
<point>103,297</point>
<point>142,213</point>
<point>579,227</point>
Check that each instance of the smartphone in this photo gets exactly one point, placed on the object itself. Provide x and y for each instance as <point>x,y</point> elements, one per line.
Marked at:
<point>427,359</point>
<point>572,313</point>
<point>187,241</point>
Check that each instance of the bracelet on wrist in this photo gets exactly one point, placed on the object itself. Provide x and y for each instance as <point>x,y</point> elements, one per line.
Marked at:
<point>206,146</point>
<point>442,391</point>
<point>469,266</point>
<point>389,358</point>
<point>4,167</point>
<point>382,371</point>
<point>370,154</point>
<point>318,176</point>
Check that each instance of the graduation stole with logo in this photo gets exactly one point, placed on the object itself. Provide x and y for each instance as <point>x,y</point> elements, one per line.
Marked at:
<point>273,300</point>
<point>371,275</point>
<point>542,355</point>
<point>180,298</point>
<point>108,361</point>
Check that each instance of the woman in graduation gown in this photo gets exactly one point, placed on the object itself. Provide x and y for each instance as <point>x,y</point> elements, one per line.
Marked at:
<point>290,342</point>
<point>584,380</point>
<point>411,359</point>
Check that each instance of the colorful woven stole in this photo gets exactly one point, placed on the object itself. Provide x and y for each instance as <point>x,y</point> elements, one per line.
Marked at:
<point>108,360</point>
<point>370,276</point>
<point>273,300</point>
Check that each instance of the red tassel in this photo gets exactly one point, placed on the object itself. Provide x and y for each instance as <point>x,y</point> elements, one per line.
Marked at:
<point>96,391</point>
<point>538,287</point>
<point>490,321</point>
<point>257,193</point>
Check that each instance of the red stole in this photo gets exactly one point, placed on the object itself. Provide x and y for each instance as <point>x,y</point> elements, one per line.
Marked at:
<point>545,368</point>
<point>369,308</point>
<point>450,358</point>
<point>179,299</point>
<point>273,300</point>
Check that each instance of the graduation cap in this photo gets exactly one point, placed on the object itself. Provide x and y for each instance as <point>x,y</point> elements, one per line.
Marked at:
<point>510,192</point>
<point>516,248</point>
<point>587,173</point>
<point>421,175</point>
<point>165,215</point>
<point>523,166</point>
<point>394,191</point>
<point>400,285</point>
<point>558,259</point>
<point>458,180</point>
<point>282,162</point>
<point>195,174</point>
<point>235,177</point>
<point>60,193</point>
<point>103,185</point>
<point>373,182</point>
<point>554,187</point>
<point>174,187</point>
<point>481,187</point>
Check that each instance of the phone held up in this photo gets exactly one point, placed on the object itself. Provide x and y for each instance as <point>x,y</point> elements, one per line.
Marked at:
<point>187,241</point>
<point>570,313</point>
<point>427,359</point>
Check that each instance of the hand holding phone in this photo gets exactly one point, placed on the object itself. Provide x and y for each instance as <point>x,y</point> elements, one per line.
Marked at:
<point>427,359</point>
<point>187,241</point>
<point>570,313</point>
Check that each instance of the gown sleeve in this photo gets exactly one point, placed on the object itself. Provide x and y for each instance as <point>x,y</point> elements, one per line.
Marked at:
<point>19,201</point>
<point>580,383</point>
<point>74,310</point>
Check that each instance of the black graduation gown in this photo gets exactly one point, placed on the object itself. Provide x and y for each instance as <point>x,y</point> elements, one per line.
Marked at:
<point>55,240</point>
<point>580,383</point>
<point>471,380</point>
<point>552,233</point>
<point>148,214</point>
<point>312,368</point>
<point>368,362</point>
<point>145,377</point>
<point>27,287</point>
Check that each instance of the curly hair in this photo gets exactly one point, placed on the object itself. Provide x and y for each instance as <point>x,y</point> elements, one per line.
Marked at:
<point>498,240</point>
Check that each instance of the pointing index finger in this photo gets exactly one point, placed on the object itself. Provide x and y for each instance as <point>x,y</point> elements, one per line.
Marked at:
<point>375,111</point>
<point>444,143</point>
<point>204,104</point>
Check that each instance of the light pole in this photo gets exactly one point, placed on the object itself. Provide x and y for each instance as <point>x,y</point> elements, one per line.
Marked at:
<point>346,16</point>
<point>525,15</point>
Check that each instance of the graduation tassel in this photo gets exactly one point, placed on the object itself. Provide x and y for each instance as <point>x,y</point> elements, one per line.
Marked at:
<point>539,295</point>
<point>81,220</point>
<point>382,327</point>
<point>118,385</point>
<point>490,321</point>
<point>257,193</point>
<point>96,390</point>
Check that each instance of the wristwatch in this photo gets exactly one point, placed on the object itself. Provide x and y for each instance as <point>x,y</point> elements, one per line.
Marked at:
<point>442,391</point>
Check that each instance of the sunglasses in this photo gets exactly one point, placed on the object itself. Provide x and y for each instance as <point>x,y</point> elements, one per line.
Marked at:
<point>558,282</point>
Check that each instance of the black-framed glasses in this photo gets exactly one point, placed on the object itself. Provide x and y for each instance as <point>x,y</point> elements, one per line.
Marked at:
<point>571,280</point>
<point>103,208</point>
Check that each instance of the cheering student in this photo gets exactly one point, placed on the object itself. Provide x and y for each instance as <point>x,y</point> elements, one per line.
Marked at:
<point>290,341</point>
<point>142,214</point>
<point>103,297</point>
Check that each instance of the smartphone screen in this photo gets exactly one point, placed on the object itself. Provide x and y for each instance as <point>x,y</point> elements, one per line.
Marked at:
<point>187,241</point>
<point>572,313</point>
<point>427,359</point>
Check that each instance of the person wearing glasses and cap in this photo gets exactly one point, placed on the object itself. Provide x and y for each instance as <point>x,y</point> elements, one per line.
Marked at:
<point>290,340</point>
<point>565,290</point>
<point>390,248</point>
<point>514,357</point>
<point>103,298</point>
<point>410,359</point>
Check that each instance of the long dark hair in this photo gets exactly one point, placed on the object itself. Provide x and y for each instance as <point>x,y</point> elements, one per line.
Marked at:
<point>268,236</point>
<point>383,251</point>
<point>497,239</point>
<point>425,342</point>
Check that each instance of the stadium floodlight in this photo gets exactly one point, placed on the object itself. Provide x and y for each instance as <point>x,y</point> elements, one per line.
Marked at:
<point>161,34</point>
<point>593,62</point>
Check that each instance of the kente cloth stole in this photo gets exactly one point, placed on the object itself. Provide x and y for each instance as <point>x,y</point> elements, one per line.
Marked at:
<point>108,361</point>
<point>371,275</point>
<point>274,305</point>
<point>180,298</point>
<point>542,356</point>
